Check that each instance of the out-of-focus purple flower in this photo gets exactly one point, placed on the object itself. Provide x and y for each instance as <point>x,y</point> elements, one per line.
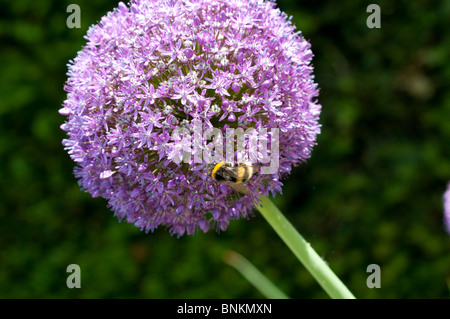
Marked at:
<point>447,208</point>
<point>151,71</point>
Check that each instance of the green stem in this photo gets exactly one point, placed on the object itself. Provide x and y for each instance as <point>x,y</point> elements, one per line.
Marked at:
<point>253,275</point>
<point>304,252</point>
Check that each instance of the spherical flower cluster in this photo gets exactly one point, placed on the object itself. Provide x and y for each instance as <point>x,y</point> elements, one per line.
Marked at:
<point>447,208</point>
<point>154,67</point>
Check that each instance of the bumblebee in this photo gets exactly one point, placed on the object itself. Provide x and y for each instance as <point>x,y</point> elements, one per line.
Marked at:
<point>234,175</point>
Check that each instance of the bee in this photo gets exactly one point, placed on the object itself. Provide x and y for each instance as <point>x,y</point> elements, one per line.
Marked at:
<point>234,175</point>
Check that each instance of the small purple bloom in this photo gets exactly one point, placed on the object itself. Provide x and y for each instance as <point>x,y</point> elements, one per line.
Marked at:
<point>189,53</point>
<point>447,208</point>
<point>151,71</point>
<point>182,92</point>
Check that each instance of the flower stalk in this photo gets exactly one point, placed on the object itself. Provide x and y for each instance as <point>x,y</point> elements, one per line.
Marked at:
<point>253,275</point>
<point>303,251</point>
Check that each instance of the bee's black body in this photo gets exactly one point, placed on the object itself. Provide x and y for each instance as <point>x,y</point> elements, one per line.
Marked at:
<point>234,175</point>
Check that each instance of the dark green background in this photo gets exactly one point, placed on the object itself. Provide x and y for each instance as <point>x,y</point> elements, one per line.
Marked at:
<point>370,194</point>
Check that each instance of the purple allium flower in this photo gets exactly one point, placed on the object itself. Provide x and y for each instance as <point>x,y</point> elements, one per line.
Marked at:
<point>152,71</point>
<point>447,208</point>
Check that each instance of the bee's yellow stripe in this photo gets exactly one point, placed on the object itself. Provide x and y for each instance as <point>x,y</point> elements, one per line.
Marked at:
<point>240,174</point>
<point>216,168</point>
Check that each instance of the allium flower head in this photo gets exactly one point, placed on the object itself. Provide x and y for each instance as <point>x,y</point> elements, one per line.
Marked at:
<point>447,208</point>
<point>155,70</point>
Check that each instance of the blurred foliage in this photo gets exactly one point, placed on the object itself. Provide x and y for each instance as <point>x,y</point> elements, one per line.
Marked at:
<point>370,194</point>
